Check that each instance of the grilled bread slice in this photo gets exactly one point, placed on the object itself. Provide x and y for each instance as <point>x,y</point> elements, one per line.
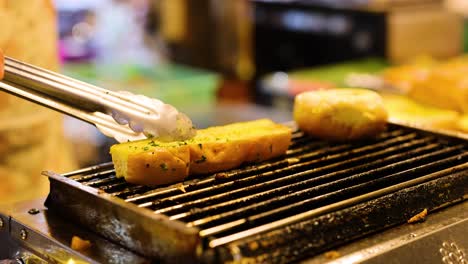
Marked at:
<point>150,162</point>
<point>152,165</point>
<point>340,114</point>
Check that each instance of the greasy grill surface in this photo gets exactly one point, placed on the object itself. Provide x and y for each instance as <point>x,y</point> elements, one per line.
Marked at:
<point>313,174</point>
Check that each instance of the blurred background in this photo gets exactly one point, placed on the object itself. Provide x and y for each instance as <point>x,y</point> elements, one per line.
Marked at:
<point>225,61</point>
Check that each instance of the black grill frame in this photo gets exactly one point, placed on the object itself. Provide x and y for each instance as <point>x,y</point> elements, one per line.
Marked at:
<point>161,237</point>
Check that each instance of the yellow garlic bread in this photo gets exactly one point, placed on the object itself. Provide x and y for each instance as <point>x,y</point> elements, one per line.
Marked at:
<point>340,114</point>
<point>151,162</point>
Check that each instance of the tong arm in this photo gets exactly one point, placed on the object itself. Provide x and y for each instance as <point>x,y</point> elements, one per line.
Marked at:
<point>84,101</point>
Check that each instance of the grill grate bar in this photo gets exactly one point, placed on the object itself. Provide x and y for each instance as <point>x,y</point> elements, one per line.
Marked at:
<point>303,144</point>
<point>120,184</point>
<point>320,194</point>
<point>101,183</point>
<point>292,177</point>
<point>331,207</point>
<point>98,175</point>
<point>322,158</point>
<point>85,171</point>
<point>131,191</point>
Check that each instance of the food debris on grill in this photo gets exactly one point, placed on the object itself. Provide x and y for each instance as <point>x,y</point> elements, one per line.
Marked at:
<point>181,187</point>
<point>293,161</point>
<point>79,244</point>
<point>221,176</point>
<point>420,217</point>
<point>253,245</point>
<point>333,254</point>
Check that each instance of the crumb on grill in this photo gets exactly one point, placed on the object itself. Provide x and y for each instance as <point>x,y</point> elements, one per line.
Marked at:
<point>253,245</point>
<point>293,161</point>
<point>221,175</point>
<point>333,254</point>
<point>181,187</point>
<point>79,244</point>
<point>420,217</point>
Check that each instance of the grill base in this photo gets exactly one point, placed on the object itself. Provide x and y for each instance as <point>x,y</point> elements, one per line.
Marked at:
<point>417,243</point>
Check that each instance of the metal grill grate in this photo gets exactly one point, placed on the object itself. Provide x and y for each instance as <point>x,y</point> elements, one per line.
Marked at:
<point>313,174</point>
<point>232,205</point>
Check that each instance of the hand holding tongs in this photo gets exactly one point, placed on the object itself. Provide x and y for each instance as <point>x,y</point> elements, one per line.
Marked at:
<point>123,116</point>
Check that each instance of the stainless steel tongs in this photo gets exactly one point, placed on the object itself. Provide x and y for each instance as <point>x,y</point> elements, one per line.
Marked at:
<point>119,115</point>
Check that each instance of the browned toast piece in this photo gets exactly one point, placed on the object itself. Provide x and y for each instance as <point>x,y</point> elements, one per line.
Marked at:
<point>214,149</point>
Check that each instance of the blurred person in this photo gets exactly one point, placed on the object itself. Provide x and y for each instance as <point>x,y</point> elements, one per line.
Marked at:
<point>31,136</point>
<point>459,6</point>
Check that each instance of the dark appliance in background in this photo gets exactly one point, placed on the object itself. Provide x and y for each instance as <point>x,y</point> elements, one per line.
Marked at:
<point>298,34</point>
<point>247,39</point>
<point>303,33</point>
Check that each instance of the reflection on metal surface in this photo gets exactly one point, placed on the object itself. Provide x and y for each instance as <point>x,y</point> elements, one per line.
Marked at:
<point>26,257</point>
<point>1,222</point>
<point>452,254</point>
<point>45,238</point>
<point>73,261</point>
